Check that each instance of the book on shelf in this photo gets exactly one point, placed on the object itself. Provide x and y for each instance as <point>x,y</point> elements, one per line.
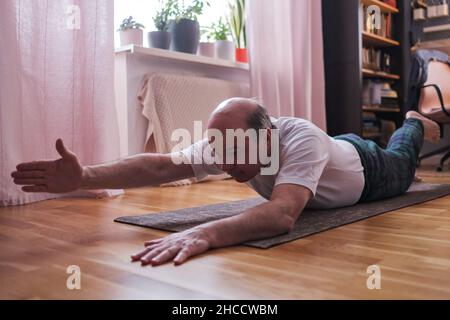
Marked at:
<point>370,25</point>
<point>369,116</point>
<point>380,94</point>
<point>392,3</point>
<point>376,59</point>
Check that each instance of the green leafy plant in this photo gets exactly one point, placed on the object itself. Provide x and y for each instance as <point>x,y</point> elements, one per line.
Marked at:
<point>129,23</point>
<point>237,23</point>
<point>191,12</point>
<point>205,32</point>
<point>163,15</point>
<point>217,31</point>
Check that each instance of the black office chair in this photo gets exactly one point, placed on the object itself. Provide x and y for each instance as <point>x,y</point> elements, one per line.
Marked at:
<point>434,102</point>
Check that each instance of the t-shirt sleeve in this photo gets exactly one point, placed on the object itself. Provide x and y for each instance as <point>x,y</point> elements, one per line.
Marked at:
<point>302,161</point>
<point>199,156</point>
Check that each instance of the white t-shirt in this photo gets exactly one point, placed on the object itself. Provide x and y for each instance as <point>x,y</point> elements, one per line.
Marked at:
<point>330,168</point>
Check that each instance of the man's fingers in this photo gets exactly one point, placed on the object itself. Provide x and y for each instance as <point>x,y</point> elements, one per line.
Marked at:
<point>182,256</point>
<point>191,249</point>
<point>27,182</point>
<point>152,246</point>
<point>150,242</point>
<point>151,254</point>
<point>34,165</point>
<point>165,256</point>
<point>28,174</point>
<point>34,189</point>
<point>63,151</point>
<point>139,255</point>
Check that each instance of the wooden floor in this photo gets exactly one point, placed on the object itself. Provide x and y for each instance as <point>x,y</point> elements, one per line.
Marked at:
<point>39,241</point>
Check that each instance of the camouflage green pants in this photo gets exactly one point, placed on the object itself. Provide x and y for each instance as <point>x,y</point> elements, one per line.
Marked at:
<point>389,172</point>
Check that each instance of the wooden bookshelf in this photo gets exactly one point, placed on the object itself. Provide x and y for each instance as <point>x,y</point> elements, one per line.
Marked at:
<point>385,45</point>
<point>380,109</point>
<point>384,7</point>
<point>368,73</point>
<point>373,40</point>
<point>345,73</point>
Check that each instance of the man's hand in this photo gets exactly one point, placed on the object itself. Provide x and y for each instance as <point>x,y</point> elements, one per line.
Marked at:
<point>266,220</point>
<point>54,176</point>
<point>177,247</point>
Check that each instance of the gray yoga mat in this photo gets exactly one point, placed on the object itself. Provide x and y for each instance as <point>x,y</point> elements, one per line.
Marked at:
<point>310,221</point>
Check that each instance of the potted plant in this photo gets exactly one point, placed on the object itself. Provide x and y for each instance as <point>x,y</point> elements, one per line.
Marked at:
<point>185,29</point>
<point>131,32</point>
<point>161,38</point>
<point>225,48</point>
<point>238,32</point>
<point>206,48</point>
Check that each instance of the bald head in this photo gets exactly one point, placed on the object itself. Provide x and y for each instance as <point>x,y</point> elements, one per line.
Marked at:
<point>237,130</point>
<point>239,113</point>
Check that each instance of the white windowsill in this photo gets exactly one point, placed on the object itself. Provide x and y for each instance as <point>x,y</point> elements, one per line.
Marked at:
<point>180,56</point>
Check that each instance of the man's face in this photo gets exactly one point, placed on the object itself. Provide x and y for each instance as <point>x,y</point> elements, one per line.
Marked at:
<point>238,156</point>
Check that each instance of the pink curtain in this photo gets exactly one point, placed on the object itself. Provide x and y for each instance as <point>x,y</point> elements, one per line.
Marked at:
<point>286,57</point>
<point>56,80</point>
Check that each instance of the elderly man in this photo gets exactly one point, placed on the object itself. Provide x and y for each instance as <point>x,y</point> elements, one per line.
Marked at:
<point>315,171</point>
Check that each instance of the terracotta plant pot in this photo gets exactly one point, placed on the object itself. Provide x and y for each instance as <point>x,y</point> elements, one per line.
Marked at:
<point>207,49</point>
<point>241,55</point>
<point>131,36</point>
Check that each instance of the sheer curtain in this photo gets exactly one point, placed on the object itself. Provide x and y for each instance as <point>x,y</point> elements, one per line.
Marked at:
<point>56,81</point>
<point>286,57</point>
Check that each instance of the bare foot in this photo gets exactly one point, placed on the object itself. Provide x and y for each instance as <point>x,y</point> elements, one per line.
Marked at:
<point>417,178</point>
<point>432,130</point>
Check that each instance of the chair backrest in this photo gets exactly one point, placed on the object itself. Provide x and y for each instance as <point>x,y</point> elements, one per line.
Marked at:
<point>429,103</point>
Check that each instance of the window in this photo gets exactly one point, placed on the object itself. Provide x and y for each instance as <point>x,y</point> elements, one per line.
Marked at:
<point>143,11</point>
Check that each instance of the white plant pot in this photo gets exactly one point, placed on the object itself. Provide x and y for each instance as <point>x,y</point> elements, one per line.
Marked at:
<point>207,49</point>
<point>225,50</point>
<point>419,14</point>
<point>442,10</point>
<point>431,11</point>
<point>131,36</point>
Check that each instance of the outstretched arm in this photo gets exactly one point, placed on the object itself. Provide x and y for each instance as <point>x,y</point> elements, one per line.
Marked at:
<point>67,174</point>
<point>135,171</point>
<point>269,219</point>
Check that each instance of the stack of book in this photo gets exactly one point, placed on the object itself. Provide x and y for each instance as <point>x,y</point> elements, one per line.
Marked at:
<point>389,97</point>
<point>379,94</point>
<point>376,59</point>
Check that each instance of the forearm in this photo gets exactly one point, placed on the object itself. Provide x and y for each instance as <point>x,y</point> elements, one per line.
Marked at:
<point>263,221</point>
<point>134,171</point>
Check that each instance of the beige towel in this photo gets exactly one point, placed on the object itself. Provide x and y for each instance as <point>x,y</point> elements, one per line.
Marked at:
<point>171,102</point>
